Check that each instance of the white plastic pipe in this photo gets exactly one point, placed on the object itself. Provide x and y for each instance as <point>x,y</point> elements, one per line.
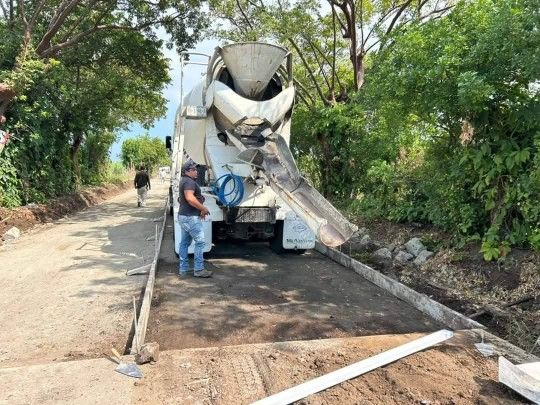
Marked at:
<point>354,370</point>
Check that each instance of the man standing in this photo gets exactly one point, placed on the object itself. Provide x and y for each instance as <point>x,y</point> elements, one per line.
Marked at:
<point>142,184</point>
<point>190,216</point>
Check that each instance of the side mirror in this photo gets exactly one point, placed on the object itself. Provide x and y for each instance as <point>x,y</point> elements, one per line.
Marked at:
<point>168,143</point>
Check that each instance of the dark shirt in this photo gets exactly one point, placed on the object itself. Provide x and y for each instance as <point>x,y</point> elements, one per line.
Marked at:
<point>141,179</point>
<point>187,183</point>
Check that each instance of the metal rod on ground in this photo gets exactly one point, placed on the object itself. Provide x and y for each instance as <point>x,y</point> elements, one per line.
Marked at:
<point>139,270</point>
<point>354,370</point>
<point>155,238</point>
<point>148,291</point>
<point>136,335</point>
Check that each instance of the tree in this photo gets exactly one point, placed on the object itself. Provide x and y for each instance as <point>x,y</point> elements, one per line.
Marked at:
<point>369,24</point>
<point>365,26</point>
<point>474,74</point>
<point>64,123</point>
<point>146,151</point>
<point>113,81</point>
<point>42,30</point>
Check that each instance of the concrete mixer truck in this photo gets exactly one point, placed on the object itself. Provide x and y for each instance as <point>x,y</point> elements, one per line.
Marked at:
<point>235,125</point>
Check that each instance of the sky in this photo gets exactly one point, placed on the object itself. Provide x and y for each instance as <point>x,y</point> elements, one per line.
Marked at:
<point>192,75</point>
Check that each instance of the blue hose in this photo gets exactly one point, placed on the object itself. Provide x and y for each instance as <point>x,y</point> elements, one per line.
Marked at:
<point>236,194</point>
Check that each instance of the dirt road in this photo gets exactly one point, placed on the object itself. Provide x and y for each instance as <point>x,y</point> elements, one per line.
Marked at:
<point>67,298</point>
<point>451,373</point>
<point>65,294</point>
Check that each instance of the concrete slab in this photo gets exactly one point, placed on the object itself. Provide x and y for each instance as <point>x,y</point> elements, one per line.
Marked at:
<point>259,296</point>
<point>452,372</point>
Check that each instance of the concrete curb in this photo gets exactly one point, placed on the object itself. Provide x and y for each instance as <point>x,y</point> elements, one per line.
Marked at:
<point>144,314</point>
<point>420,301</point>
<point>426,305</point>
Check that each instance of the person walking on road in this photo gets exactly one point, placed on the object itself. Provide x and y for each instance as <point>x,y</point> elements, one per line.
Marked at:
<point>190,216</point>
<point>142,184</point>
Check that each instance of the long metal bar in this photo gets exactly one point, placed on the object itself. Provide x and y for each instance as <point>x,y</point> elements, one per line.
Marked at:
<point>142,322</point>
<point>354,370</point>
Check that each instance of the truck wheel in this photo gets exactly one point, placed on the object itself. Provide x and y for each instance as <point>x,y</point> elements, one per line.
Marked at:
<point>171,208</point>
<point>174,242</point>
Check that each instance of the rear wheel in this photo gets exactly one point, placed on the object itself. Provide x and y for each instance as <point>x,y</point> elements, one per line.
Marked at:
<point>171,208</point>
<point>175,242</point>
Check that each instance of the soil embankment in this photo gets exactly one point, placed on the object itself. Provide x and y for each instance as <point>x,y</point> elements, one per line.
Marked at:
<point>503,295</point>
<point>28,216</point>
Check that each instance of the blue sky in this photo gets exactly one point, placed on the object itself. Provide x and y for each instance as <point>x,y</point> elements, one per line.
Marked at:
<point>165,126</point>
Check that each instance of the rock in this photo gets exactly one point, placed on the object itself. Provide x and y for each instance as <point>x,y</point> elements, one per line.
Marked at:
<point>148,352</point>
<point>366,244</point>
<point>403,257</point>
<point>366,239</point>
<point>362,232</point>
<point>422,257</point>
<point>12,234</point>
<point>415,246</point>
<point>383,253</point>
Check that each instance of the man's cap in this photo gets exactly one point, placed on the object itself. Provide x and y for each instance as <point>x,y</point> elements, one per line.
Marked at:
<point>190,164</point>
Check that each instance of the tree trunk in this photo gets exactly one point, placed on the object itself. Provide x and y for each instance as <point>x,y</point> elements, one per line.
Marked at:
<point>354,45</point>
<point>74,155</point>
<point>359,71</point>
<point>326,164</point>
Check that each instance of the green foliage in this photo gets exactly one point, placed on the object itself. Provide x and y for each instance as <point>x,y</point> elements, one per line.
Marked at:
<point>71,77</point>
<point>95,157</point>
<point>146,151</point>
<point>117,173</point>
<point>66,119</point>
<point>473,75</point>
<point>335,148</point>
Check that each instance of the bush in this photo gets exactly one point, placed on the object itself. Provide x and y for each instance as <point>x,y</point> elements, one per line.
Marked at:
<point>473,76</point>
<point>144,150</point>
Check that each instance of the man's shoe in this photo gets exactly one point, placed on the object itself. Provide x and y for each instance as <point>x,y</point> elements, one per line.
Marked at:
<point>203,274</point>
<point>185,273</point>
<point>138,203</point>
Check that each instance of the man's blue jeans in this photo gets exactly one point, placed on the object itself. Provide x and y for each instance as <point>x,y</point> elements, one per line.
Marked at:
<point>192,230</point>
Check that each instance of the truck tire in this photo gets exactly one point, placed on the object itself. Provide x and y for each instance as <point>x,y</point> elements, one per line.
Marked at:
<point>174,242</point>
<point>276,243</point>
<point>171,208</point>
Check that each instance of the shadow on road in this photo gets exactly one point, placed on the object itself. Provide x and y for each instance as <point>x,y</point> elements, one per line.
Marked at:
<point>259,296</point>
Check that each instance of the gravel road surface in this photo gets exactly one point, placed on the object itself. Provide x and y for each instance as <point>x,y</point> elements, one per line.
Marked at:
<point>65,294</point>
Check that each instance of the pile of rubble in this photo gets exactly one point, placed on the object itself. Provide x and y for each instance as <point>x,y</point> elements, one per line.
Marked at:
<point>412,252</point>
